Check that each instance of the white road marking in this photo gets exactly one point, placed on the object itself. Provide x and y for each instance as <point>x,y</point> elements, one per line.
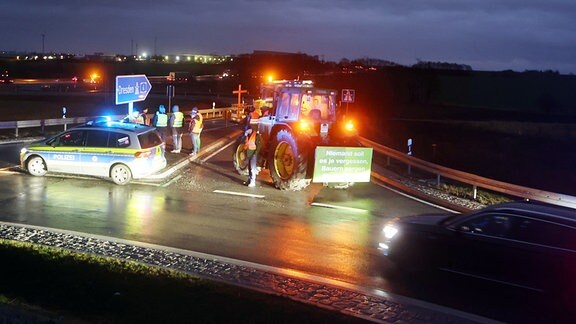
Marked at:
<point>238,194</point>
<point>217,151</point>
<point>339,207</point>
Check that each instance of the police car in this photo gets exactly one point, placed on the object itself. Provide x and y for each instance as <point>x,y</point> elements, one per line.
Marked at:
<point>101,148</point>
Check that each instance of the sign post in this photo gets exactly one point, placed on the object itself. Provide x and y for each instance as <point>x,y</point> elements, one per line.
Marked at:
<point>170,89</point>
<point>131,88</point>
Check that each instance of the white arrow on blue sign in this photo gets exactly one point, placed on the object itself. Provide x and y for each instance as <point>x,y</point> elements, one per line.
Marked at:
<point>132,88</point>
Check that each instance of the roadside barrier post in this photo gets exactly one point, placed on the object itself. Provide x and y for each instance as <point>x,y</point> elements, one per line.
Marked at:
<point>64,117</point>
<point>409,154</point>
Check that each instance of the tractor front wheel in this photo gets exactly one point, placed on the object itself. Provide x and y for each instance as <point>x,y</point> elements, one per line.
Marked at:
<point>239,158</point>
<point>288,162</point>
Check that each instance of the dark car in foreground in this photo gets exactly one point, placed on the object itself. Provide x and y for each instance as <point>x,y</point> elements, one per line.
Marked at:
<point>522,244</point>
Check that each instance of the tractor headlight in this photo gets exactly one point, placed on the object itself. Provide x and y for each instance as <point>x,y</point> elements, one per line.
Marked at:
<point>349,126</point>
<point>304,125</point>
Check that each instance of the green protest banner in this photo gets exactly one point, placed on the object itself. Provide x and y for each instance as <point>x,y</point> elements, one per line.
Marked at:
<point>342,164</point>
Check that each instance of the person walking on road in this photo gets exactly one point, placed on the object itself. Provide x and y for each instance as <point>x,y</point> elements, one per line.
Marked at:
<point>195,129</point>
<point>160,121</point>
<point>252,148</point>
<point>176,124</point>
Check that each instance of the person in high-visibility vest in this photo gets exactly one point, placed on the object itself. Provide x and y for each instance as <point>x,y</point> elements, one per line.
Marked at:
<point>176,124</point>
<point>251,120</point>
<point>133,118</point>
<point>139,118</point>
<point>160,121</point>
<point>252,148</point>
<point>195,128</point>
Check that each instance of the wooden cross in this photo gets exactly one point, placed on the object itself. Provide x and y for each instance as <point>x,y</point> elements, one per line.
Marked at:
<point>239,92</point>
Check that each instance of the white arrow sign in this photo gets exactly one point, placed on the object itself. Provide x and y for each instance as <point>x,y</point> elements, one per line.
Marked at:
<point>132,88</point>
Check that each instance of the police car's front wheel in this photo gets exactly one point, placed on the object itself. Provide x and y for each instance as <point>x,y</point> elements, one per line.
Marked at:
<point>121,174</point>
<point>36,166</point>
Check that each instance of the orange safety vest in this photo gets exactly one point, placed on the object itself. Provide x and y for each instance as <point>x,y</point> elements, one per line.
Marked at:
<point>197,124</point>
<point>254,118</point>
<point>250,142</point>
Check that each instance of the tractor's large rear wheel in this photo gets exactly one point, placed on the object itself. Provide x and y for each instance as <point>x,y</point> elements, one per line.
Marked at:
<point>239,158</point>
<point>288,162</point>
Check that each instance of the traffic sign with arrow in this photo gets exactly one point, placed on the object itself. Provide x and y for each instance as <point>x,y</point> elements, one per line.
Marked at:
<point>132,88</point>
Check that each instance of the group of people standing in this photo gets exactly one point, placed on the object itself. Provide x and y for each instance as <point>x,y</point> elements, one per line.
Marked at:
<point>177,126</point>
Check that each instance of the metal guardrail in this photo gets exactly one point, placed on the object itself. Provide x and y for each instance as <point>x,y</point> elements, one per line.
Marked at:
<point>41,123</point>
<point>474,180</point>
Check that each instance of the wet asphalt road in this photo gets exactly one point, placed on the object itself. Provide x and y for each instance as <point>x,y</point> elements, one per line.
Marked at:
<point>205,208</point>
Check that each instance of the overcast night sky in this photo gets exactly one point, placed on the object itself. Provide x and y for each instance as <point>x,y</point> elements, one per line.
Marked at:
<point>485,34</point>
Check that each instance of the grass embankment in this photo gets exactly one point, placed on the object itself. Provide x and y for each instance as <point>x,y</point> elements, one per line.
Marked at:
<point>76,287</point>
<point>484,197</point>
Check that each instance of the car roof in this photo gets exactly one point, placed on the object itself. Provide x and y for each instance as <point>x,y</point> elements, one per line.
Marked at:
<point>109,125</point>
<point>545,211</point>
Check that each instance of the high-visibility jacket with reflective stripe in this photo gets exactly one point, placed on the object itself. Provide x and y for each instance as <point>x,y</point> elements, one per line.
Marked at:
<point>250,142</point>
<point>161,120</point>
<point>254,118</point>
<point>178,119</point>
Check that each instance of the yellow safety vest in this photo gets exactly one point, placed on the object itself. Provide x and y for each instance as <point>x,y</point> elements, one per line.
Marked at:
<point>198,124</point>
<point>178,119</point>
<point>161,120</point>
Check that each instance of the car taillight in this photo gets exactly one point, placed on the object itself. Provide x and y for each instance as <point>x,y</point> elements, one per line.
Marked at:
<point>142,154</point>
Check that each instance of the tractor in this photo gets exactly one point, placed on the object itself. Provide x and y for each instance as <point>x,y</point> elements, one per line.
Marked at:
<point>301,118</point>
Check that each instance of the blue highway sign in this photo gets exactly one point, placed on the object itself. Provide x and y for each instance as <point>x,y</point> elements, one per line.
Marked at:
<point>131,88</point>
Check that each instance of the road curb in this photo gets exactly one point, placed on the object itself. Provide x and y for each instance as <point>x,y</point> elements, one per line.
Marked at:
<point>188,159</point>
